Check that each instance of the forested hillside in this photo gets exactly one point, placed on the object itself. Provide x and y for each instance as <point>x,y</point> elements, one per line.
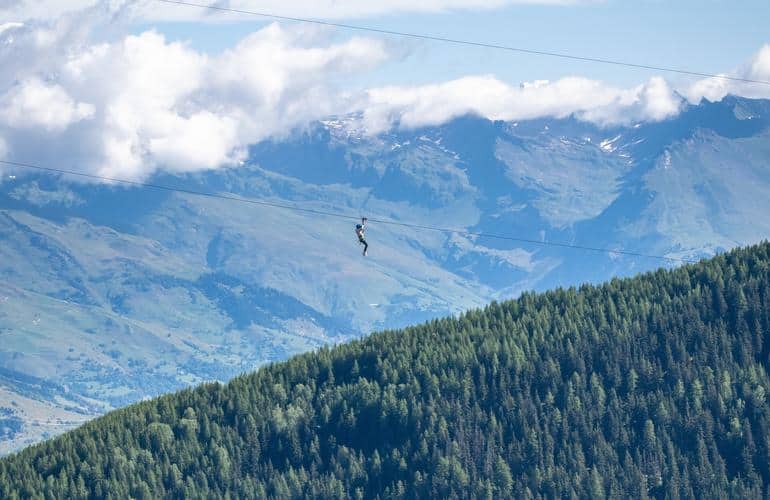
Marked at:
<point>652,386</point>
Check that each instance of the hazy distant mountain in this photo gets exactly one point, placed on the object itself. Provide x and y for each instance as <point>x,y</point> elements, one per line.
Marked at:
<point>110,294</point>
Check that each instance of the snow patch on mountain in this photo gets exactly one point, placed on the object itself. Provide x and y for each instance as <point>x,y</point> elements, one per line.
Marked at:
<point>608,145</point>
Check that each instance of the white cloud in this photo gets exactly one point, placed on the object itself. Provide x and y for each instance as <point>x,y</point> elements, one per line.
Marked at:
<point>128,107</point>
<point>42,9</point>
<point>9,26</point>
<point>32,104</point>
<point>152,10</point>
<point>487,96</point>
<point>3,154</point>
<point>201,141</point>
<point>759,68</point>
<point>650,102</point>
<point>715,89</point>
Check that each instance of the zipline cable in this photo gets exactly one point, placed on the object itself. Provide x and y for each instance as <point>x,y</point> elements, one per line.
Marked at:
<point>343,216</point>
<point>458,41</point>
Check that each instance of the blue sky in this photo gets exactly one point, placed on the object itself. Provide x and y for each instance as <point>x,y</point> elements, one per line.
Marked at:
<point>704,36</point>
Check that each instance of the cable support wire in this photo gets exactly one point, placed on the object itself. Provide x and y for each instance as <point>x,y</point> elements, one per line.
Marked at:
<point>338,215</point>
<point>472,43</point>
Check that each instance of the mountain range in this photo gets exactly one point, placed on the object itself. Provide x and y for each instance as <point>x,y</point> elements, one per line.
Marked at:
<point>110,294</point>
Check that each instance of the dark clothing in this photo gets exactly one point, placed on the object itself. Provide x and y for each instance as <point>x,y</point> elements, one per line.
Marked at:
<point>360,233</point>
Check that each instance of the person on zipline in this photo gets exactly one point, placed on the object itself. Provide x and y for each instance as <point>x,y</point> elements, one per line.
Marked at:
<point>360,233</point>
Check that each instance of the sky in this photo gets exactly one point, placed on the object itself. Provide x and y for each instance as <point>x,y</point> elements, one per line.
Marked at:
<point>127,87</point>
<point>706,36</point>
